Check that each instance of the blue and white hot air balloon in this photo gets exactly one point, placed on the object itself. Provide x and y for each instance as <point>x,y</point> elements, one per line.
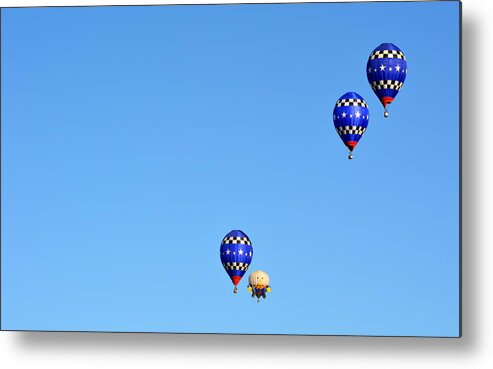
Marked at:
<point>386,71</point>
<point>236,254</point>
<point>351,117</point>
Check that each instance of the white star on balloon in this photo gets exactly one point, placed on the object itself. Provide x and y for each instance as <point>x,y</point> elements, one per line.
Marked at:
<point>382,67</point>
<point>228,251</point>
<point>240,252</point>
<point>344,115</point>
<point>357,114</point>
<point>398,68</point>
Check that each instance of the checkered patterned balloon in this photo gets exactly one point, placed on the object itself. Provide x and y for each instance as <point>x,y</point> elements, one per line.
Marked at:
<point>351,117</point>
<point>236,254</point>
<point>386,71</point>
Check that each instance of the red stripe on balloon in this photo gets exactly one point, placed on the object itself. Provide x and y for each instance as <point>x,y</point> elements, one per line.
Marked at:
<point>386,100</point>
<point>351,144</point>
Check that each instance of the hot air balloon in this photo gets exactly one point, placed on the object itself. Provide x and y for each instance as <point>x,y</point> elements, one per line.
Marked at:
<point>259,284</point>
<point>351,116</point>
<point>386,71</point>
<point>236,254</point>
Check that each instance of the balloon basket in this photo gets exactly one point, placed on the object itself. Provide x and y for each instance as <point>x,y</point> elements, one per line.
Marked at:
<point>386,113</point>
<point>235,290</point>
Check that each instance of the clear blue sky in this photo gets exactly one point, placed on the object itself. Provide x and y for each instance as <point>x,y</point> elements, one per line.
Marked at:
<point>135,138</point>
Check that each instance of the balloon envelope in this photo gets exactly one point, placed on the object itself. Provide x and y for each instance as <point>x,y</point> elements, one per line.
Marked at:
<point>351,117</point>
<point>259,278</point>
<point>236,254</point>
<point>259,284</point>
<point>386,71</point>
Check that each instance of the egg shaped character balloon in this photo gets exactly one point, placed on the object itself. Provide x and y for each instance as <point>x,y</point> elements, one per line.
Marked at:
<point>259,284</point>
<point>236,254</point>
<point>351,117</point>
<point>386,71</point>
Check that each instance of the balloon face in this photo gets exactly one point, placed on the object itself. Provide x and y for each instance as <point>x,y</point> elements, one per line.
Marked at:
<point>259,279</point>
<point>351,117</point>
<point>236,254</point>
<point>386,71</point>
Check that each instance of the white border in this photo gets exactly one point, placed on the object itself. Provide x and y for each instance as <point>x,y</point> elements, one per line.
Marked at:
<point>474,350</point>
